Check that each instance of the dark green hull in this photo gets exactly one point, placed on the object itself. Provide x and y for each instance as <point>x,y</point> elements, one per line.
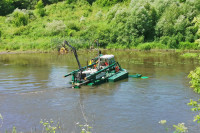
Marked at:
<point>122,74</point>
<point>118,76</point>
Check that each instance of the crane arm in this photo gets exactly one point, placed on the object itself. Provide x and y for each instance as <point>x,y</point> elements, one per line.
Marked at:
<point>75,53</point>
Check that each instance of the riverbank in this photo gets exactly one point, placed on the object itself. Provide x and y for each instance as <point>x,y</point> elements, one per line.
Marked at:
<point>22,52</point>
<point>53,51</point>
<point>93,50</point>
<point>113,27</point>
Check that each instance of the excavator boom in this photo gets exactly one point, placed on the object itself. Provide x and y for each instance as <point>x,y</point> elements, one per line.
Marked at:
<point>75,53</point>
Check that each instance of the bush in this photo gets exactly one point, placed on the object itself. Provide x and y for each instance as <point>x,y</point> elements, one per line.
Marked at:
<point>195,82</point>
<point>111,14</point>
<point>99,14</point>
<point>164,39</point>
<point>103,35</point>
<point>172,43</point>
<point>165,25</point>
<point>19,17</point>
<point>107,2</point>
<point>136,41</point>
<point>73,26</point>
<point>181,24</point>
<point>40,9</point>
<point>20,30</point>
<point>55,27</point>
<point>188,45</point>
<point>151,45</point>
<point>145,46</point>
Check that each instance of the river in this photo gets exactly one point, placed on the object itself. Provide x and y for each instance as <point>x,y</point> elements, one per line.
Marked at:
<point>32,88</point>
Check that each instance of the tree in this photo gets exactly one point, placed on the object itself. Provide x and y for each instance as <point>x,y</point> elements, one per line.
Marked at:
<point>6,7</point>
<point>20,17</point>
<point>39,8</point>
<point>196,21</point>
<point>91,1</point>
<point>108,2</point>
<point>165,26</point>
<point>23,4</point>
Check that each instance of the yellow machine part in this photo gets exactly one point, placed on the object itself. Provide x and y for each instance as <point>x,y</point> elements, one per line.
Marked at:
<point>90,62</point>
<point>63,50</point>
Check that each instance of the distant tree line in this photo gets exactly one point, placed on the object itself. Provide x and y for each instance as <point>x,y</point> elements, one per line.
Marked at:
<point>126,23</point>
<point>8,6</point>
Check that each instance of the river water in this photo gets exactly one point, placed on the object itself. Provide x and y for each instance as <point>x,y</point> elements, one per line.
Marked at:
<point>32,88</point>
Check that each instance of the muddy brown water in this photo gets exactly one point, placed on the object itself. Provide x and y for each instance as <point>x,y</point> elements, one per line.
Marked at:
<point>32,88</point>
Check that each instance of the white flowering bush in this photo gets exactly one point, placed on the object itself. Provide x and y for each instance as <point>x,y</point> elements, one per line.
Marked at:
<point>82,19</point>
<point>121,15</point>
<point>55,27</point>
<point>111,14</point>
<point>99,14</point>
<point>19,17</point>
<point>180,128</point>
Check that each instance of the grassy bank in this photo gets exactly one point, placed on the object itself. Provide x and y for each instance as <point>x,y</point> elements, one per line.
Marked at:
<point>126,25</point>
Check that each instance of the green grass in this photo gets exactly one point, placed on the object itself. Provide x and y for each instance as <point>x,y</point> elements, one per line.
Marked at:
<point>152,45</point>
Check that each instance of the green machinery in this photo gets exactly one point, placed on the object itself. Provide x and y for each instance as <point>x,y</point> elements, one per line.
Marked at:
<point>101,69</point>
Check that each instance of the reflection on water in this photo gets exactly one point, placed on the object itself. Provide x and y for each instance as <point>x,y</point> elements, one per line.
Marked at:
<point>32,87</point>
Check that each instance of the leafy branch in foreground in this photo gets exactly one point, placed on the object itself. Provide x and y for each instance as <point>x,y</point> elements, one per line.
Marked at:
<point>195,82</point>
<point>196,108</point>
<point>50,126</point>
<point>84,128</point>
<point>179,128</point>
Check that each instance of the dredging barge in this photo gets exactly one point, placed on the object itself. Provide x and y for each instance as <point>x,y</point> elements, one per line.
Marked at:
<point>101,69</point>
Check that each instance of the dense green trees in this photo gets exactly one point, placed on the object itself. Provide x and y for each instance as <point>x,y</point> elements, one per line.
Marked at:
<point>115,23</point>
<point>20,18</point>
<point>6,7</point>
<point>108,2</point>
<point>39,8</point>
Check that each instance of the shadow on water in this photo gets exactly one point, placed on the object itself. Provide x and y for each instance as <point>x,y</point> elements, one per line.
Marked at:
<point>32,87</point>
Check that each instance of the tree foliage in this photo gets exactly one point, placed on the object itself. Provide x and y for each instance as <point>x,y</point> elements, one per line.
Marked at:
<point>125,23</point>
<point>39,8</point>
<point>55,27</point>
<point>195,82</point>
<point>19,17</point>
<point>195,108</point>
<point>6,7</point>
<point>108,2</point>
